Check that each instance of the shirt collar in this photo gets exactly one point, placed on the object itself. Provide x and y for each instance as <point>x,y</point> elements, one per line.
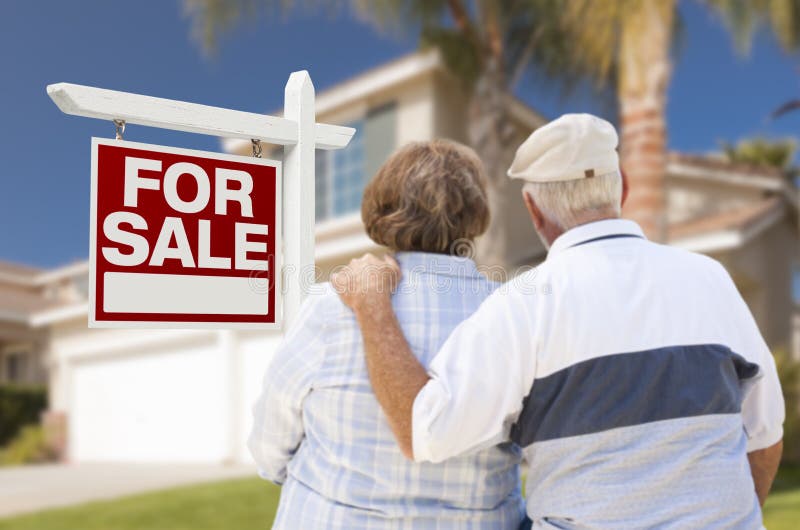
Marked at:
<point>432,263</point>
<point>583,233</point>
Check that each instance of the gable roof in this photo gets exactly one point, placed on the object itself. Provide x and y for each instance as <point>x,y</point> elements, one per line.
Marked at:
<point>386,76</point>
<point>26,294</point>
<point>16,272</point>
<point>719,231</point>
<point>714,168</point>
<point>727,230</point>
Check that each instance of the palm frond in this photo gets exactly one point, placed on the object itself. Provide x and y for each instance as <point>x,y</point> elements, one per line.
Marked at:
<point>400,15</point>
<point>744,18</point>
<point>211,18</point>
<point>787,107</point>
<point>761,152</point>
<point>457,51</point>
<point>784,16</point>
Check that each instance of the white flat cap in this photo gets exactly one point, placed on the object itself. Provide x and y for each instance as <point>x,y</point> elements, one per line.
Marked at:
<point>574,146</point>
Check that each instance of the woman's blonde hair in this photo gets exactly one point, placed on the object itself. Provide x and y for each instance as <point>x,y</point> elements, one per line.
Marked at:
<point>426,197</point>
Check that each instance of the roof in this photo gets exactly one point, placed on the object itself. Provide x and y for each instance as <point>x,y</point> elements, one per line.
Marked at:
<point>24,275</point>
<point>17,272</point>
<point>25,297</point>
<point>717,168</point>
<point>19,304</point>
<point>383,77</point>
<point>727,230</point>
<point>721,231</point>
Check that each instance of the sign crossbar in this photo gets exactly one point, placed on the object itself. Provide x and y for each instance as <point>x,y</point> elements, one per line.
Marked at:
<point>100,103</point>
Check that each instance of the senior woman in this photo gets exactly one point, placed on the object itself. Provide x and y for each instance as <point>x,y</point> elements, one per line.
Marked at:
<point>319,430</point>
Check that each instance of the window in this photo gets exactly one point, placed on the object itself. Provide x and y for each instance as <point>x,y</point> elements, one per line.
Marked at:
<point>13,370</point>
<point>342,174</point>
<point>81,283</point>
<point>15,367</point>
<point>340,178</point>
<point>379,137</point>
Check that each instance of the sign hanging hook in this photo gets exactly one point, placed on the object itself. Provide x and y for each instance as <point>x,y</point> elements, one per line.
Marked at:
<point>119,128</point>
<point>256,147</point>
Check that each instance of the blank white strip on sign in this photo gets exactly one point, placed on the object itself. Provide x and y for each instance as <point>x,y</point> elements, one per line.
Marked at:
<point>128,292</point>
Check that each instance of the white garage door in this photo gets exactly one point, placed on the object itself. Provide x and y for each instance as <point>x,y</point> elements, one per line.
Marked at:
<point>169,406</point>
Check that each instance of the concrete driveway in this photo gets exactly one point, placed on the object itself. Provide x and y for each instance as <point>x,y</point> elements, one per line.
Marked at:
<point>34,488</point>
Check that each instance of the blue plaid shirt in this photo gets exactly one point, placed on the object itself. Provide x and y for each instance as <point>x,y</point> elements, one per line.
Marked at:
<point>320,432</point>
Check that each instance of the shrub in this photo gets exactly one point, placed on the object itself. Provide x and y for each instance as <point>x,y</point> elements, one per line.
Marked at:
<point>789,372</point>
<point>19,406</point>
<point>29,447</point>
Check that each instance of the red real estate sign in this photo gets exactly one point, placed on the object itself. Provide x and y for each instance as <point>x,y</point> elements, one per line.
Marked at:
<point>183,238</point>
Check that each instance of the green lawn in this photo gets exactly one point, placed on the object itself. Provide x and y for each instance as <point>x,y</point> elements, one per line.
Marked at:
<point>250,504</point>
<point>236,504</point>
<point>782,511</point>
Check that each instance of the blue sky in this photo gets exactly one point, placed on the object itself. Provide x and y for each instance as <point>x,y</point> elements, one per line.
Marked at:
<point>146,47</point>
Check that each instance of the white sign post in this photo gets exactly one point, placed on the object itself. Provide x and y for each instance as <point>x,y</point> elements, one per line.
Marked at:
<point>296,131</point>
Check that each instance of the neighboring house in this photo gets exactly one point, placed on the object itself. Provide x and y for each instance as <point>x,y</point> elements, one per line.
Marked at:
<point>31,299</point>
<point>185,395</point>
<point>747,218</point>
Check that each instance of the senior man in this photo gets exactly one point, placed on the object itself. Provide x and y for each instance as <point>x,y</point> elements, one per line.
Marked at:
<point>632,374</point>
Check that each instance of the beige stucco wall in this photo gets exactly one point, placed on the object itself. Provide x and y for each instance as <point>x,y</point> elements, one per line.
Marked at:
<point>689,198</point>
<point>415,108</point>
<point>762,272</point>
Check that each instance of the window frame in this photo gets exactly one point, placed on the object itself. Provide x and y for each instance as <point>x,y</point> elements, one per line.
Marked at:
<point>329,162</point>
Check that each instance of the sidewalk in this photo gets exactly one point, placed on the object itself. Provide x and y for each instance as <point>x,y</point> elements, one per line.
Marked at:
<point>34,488</point>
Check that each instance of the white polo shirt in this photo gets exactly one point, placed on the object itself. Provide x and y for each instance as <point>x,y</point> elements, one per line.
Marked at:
<point>632,374</point>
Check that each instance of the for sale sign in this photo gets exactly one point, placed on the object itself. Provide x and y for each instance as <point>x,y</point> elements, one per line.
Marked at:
<point>183,238</point>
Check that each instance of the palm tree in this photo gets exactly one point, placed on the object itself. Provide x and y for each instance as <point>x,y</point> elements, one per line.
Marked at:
<point>624,45</point>
<point>635,38</point>
<point>761,152</point>
<point>490,45</point>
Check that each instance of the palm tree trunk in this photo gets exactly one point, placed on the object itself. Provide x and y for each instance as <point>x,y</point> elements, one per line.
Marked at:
<point>490,133</point>
<point>645,70</point>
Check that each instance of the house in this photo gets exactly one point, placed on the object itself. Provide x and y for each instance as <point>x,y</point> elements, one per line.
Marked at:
<point>747,218</point>
<point>30,299</point>
<point>185,395</point>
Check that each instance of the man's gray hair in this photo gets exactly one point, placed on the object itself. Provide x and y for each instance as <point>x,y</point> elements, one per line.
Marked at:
<point>571,202</point>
